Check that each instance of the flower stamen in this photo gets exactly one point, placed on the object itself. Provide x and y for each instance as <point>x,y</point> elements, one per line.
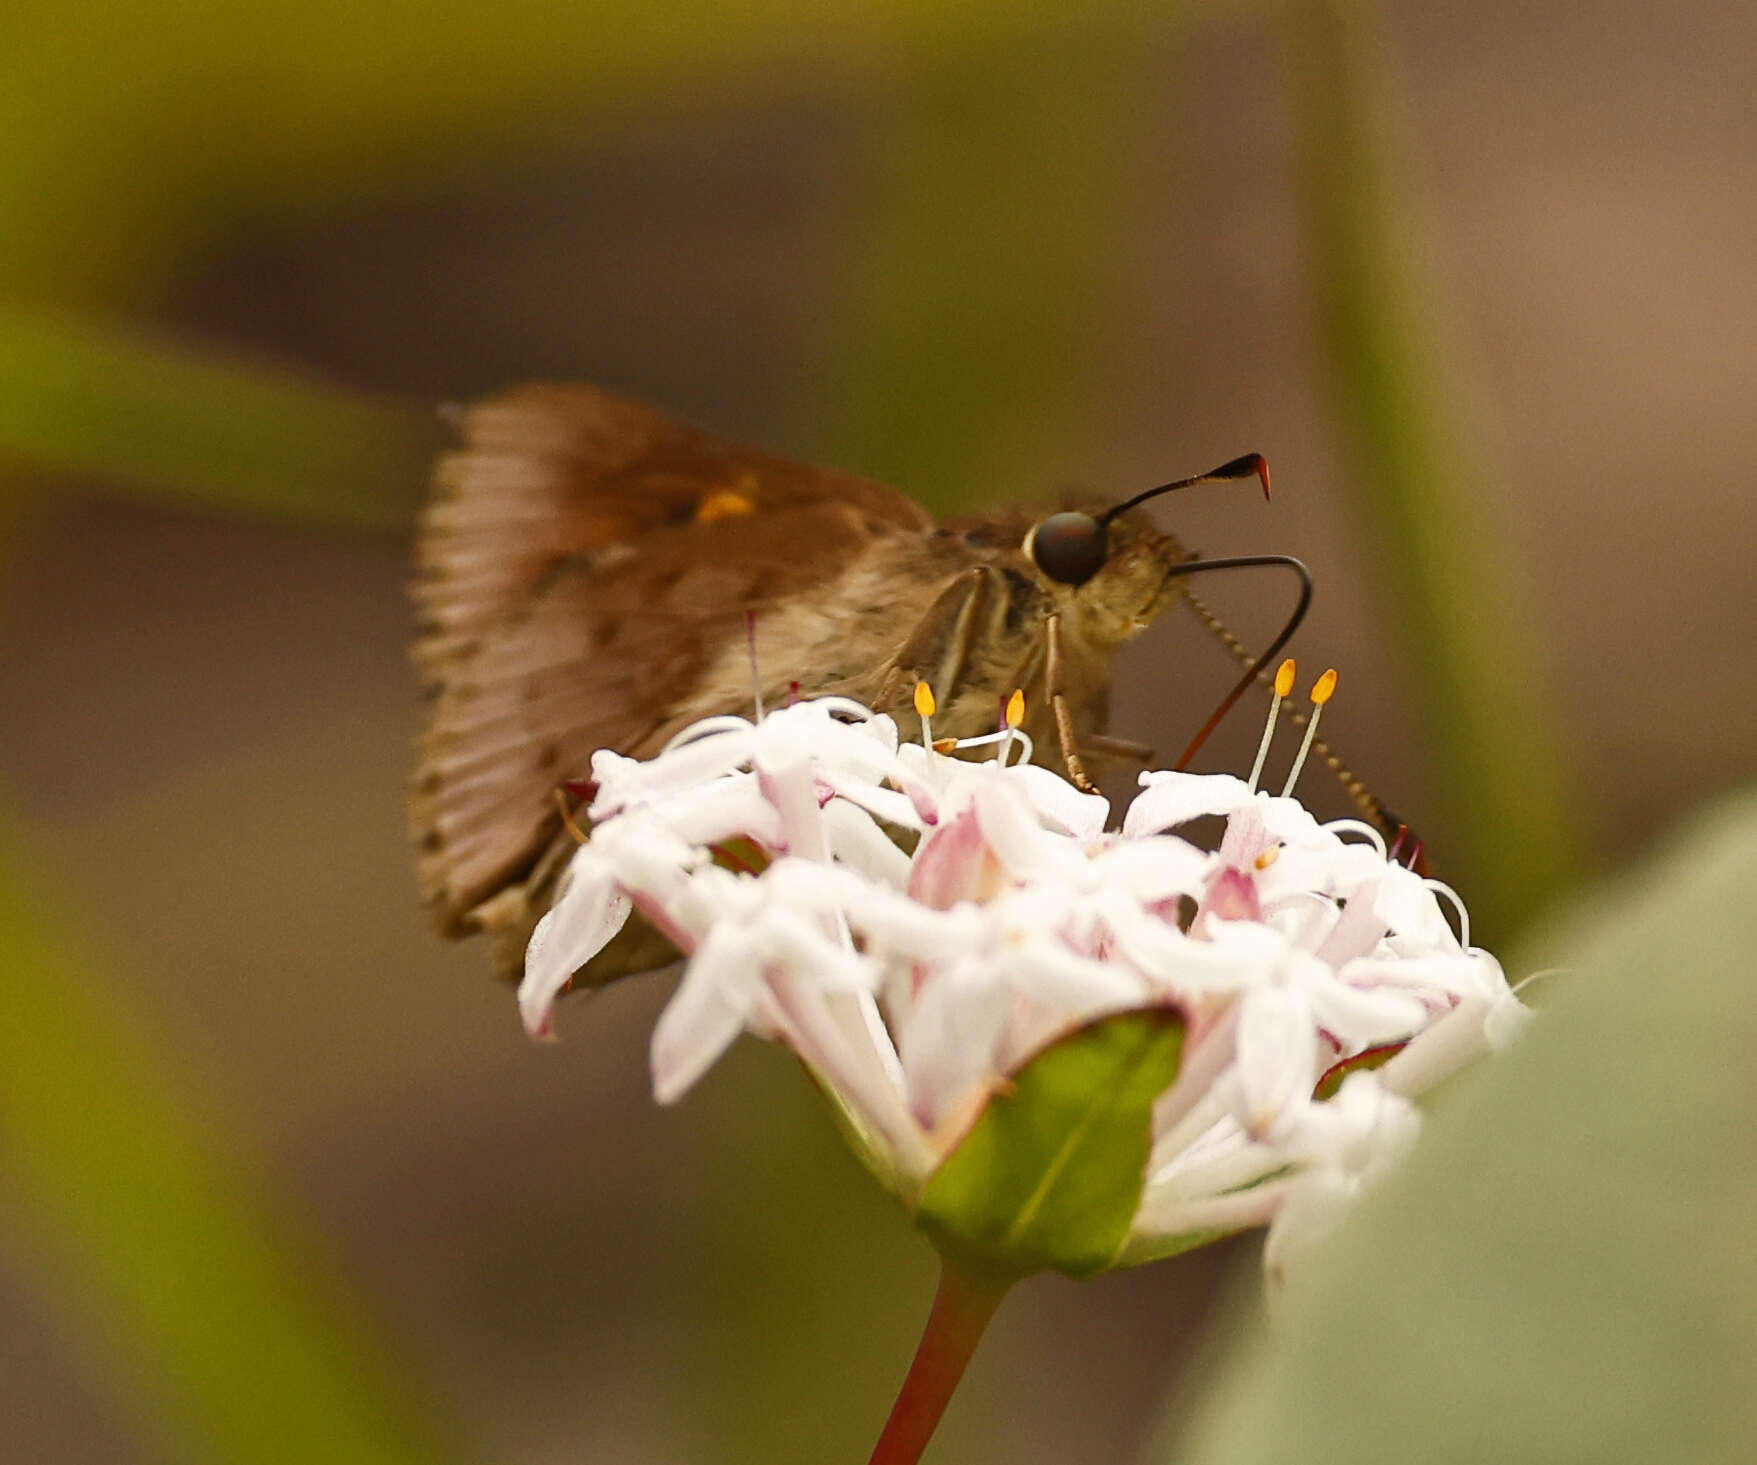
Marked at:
<point>924,708</point>
<point>1440,887</point>
<point>1322,690</point>
<point>756,679</point>
<point>1007,734</point>
<point>1284,675</point>
<point>1013,717</point>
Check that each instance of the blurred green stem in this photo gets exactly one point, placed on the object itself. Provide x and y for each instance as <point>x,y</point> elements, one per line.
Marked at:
<point>78,400</point>
<point>1478,678</point>
<point>962,1307</point>
<point>189,1283</point>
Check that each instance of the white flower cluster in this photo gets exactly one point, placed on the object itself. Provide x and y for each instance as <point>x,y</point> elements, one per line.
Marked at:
<point>774,854</point>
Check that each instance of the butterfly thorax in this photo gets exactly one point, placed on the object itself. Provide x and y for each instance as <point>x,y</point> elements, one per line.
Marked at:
<point>961,607</point>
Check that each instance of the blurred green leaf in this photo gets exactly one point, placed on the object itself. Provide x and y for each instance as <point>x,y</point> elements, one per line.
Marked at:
<point>1563,1270</point>
<point>77,400</point>
<point>133,135</point>
<point>979,283</point>
<point>1502,785</point>
<point>1051,1174</point>
<point>200,1292</point>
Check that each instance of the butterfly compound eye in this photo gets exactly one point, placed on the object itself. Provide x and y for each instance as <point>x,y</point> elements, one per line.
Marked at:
<point>1069,547</point>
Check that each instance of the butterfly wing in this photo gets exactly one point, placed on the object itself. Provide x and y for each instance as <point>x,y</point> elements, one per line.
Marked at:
<point>581,559</point>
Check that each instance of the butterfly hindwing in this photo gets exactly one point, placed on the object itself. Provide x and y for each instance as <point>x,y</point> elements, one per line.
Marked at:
<point>581,560</point>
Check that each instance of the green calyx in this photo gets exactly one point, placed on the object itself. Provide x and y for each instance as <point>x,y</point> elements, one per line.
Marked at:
<point>1051,1173</point>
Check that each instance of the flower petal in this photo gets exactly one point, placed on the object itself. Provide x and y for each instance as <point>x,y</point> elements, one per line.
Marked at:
<point>707,1012</point>
<point>1167,800</point>
<point>580,925</point>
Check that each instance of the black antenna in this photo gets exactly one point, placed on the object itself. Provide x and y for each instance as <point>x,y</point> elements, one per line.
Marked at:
<point>1252,465</point>
<point>1245,562</point>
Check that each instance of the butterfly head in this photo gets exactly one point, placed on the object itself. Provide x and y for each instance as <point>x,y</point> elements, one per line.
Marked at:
<point>1105,575</point>
<point>1115,556</point>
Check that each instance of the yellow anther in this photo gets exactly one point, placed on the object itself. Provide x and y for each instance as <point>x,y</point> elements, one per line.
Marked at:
<point>1016,708</point>
<point>924,703</point>
<point>722,503</point>
<point>1268,857</point>
<point>1284,675</point>
<point>1321,693</point>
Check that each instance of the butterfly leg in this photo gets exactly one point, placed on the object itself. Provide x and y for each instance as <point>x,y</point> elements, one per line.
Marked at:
<point>1058,703</point>
<point>946,631</point>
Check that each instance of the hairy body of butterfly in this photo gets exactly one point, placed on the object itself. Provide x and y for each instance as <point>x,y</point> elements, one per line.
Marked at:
<point>590,573</point>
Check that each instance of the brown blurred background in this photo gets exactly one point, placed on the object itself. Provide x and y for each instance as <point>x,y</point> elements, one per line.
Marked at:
<point>796,230</point>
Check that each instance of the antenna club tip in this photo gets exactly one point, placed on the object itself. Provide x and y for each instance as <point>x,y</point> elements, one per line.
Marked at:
<point>1016,708</point>
<point>924,703</point>
<point>1324,688</point>
<point>1284,675</point>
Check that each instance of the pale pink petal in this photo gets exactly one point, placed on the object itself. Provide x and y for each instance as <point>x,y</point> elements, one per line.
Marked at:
<point>830,1034</point>
<point>1167,800</point>
<point>1167,1215</point>
<point>1276,1061</point>
<point>1152,869</point>
<point>888,804</point>
<point>707,1011</point>
<point>953,863</point>
<point>575,930</point>
<point>728,808</point>
<point>1476,1027</point>
<point>1246,838</point>
<point>1074,986</point>
<point>1357,930</point>
<point>1231,896</point>
<point>623,783</point>
<point>1059,803</point>
<point>1329,866</point>
<point>1365,1017</point>
<point>855,840</point>
<point>950,1046</point>
<point>1409,908</point>
<point>788,785</point>
<point>1287,820</point>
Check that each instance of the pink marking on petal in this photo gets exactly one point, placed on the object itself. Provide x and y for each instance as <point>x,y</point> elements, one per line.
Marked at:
<point>1246,838</point>
<point>952,864</point>
<point>926,805</point>
<point>1356,932</point>
<point>1231,896</point>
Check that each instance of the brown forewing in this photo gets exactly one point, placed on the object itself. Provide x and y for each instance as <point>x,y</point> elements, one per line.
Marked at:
<point>570,586</point>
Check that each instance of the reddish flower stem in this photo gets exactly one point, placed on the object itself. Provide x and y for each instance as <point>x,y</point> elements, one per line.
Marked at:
<point>961,1309</point>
